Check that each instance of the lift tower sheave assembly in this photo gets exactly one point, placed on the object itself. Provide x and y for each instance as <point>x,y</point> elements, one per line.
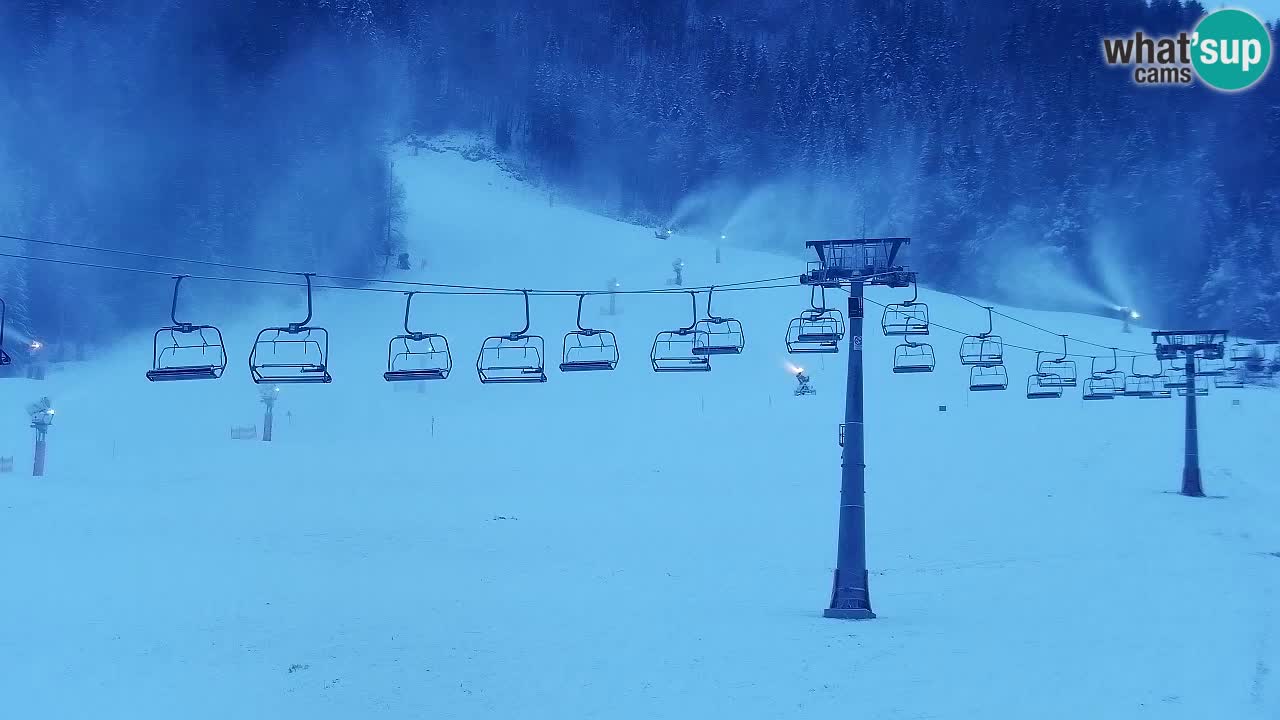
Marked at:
<point>1190,345</point>
<point>854,264</point>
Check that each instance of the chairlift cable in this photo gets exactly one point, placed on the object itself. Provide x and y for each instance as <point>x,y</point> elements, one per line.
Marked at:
<point>763,284</point>
<point>1043,329</point>
<point>348,278</point>
<point>934,323</point>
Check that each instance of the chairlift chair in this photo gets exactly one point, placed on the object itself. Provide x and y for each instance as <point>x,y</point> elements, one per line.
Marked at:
<point>1211,367</point>
<point>1137,386</point>
<point>1041,386</point>
<point>1256,361</point>
<point>913,357</point>
<point>984,349</point>
<point>819,329</point>
<point>295,353</point>
<point>587,349</point>
<point>1157,393</point>
<point>516,357</point>
<point>988,377</point>
<point>1201,388</point>
<point>1146,384</point>
<point>1112,377</point>
<point>1059,369</point>
<point>1103,387</point>
<point>182,357</point>
<point>1231,381</point>
<point>1241,352</point>
<point>674,350</point>
<point>906,318</point>
<point>4,356</point>
<point>1175,378</point>
<point>717,335</point>
<point>417,355</point>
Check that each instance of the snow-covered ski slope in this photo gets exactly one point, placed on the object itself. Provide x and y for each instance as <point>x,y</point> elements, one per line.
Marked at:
<point>623,545</point>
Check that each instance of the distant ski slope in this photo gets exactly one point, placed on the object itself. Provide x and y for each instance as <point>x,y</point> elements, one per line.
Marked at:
<point>626,544</point>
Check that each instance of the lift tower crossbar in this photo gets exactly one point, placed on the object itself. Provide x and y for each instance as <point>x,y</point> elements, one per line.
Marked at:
<point>854,264</point>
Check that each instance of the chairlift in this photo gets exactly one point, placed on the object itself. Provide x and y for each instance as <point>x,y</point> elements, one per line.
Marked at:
<point>1230,381</point>
<point>1042,386</point>
<point>1241,352</point>
<point>1138,384</point>
<point>1161,377</point>
<point>588,349</point>
<point>1059,369</point>
<point>516,357</point>
<point>906,318</point>
<point>1135,386</point>
<point>1175,378</point>
<point>1112,377</point>
<point>984,349</point>
<point>819,329</point>
<point>295,353</point>
<point>1255,362</point>
<point>1104,387</point>
<point>1211,367</point>
<point>913,357</point>
<point>1141,386</point>
<point>183,357</point>
<point>1159,384</point>
<point>718,335</point>
<point>4,356</point>
<point>417,355</point>
<point>1201,388</point>
<point>988,377</point>
<point>675,350</point>
<point>1269,364</point>
<point>1157,393</point>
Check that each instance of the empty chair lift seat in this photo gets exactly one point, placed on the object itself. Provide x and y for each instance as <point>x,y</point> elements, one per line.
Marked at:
<point>588,349</point>
<point>717,335</point>
<point>516,357</point>
<point>185,351</point>
<point>911,357</point>
<point>988,377</point>
<point>1043,386</point>
<point>295,353</point>
<point>816,331</point>
<point>416,355</point>
<point>673,350</point>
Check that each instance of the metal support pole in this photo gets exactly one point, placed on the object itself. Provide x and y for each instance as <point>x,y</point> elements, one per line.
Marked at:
<point>850,593</point>
<point>1191,486</point>
<point>37,469</point>
<point>267,422</point>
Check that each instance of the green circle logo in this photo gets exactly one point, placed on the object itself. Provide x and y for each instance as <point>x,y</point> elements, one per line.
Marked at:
<point>1231,49</point>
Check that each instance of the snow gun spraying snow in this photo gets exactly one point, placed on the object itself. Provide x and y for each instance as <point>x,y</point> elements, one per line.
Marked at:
<point>1127,315</point>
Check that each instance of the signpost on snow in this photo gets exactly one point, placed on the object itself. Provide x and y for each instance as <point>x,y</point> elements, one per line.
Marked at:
<point>1190,345</point>
<point>853,265</point>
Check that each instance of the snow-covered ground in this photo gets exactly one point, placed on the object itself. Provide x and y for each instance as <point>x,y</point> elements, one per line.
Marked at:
<point>628,544</point>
